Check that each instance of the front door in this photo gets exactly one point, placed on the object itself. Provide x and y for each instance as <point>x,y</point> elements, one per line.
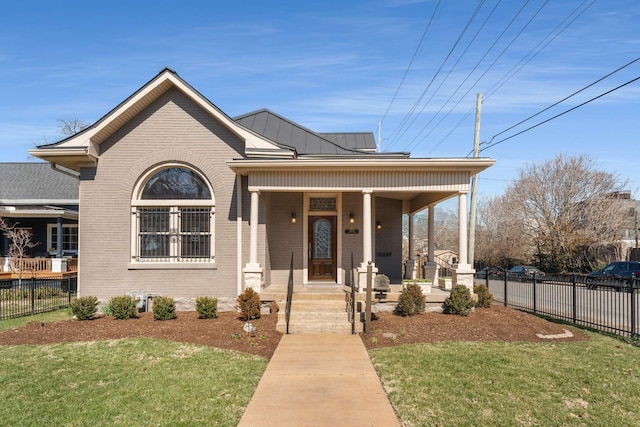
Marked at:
<point>322,248</point>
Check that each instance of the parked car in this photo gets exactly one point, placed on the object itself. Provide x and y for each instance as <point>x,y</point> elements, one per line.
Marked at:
<point>617,275</point>
<point>525,271</point>
<point>492,271</point>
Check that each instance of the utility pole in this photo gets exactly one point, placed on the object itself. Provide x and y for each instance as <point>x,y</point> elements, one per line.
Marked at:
<point>379,148</point>
<point>474,182</point>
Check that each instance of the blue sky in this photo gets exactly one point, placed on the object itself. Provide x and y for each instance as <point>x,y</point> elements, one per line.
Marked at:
<point>336,66</point>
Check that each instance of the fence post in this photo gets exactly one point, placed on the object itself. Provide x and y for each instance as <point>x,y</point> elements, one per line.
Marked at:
<point>486,279</point>
<point>505,289</point>
<point>574,298</point>
<point>634,288</point>
<point>33,295</point>
<point>534,294</point>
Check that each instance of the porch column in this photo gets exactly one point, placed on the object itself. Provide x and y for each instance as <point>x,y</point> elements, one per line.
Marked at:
<point>410,266</point>
<point>367,246</point>
<point>59,238</point>
<point>59,264</point>
<point>463,273</point>
<point>253,271</point>
<point>431,268</point>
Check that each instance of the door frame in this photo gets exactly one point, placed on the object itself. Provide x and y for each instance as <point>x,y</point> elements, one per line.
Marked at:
<point>305,235</point>
<point>334,246</point>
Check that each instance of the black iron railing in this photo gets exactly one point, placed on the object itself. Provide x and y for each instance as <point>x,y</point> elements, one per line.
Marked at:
<point>608,305</point>
<point>350,299</point>
<point>287,310</point>
<point>36,295</point>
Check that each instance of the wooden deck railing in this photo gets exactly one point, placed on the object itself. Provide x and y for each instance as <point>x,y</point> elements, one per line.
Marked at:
<point>35,265</point>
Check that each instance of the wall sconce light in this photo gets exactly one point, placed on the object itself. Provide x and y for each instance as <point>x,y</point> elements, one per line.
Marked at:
<point>352,219</point>
<point>378,225</point>
<point>293,218</point>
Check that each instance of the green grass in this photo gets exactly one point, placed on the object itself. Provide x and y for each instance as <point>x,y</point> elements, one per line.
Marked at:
<point>586,383</point>
<point>51,316</point>
<point>141,382</point>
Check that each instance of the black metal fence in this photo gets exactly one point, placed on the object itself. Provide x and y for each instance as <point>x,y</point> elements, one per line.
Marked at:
<point>610,305</point>
<point>36,295</point>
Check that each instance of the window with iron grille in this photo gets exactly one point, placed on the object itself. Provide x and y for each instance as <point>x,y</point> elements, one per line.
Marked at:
<point>174,218</point>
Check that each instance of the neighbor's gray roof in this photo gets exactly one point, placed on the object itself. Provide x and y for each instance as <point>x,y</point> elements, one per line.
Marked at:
<point>35,181</point>
<point>352,140</point>
<point>285,132</point>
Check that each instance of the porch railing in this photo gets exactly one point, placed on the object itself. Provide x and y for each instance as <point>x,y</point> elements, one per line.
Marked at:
<point>287,310</point>
<point>33,265</point>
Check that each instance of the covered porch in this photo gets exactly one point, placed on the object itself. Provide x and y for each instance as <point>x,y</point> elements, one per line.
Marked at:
<point>333,215</point>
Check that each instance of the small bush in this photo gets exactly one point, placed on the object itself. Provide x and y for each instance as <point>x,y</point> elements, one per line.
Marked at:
<point>123,307</point>
<point>164,308</point>
<point>459,301</point>
<point>274,308</point>
<point>84,308</point>
<point>106,310</point>
<point>207,307</point>
<point>485,297</point>
<point>248,304</point>
<point>411,301</point>
<point>47,292</point>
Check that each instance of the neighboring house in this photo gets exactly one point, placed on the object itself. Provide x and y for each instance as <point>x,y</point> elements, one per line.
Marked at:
<point>33,196</point>
<point>180,199</point>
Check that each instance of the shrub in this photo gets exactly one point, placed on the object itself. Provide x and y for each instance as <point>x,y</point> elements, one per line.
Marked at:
<point>123,307</point>
<point>84,308</point>
<point>164,308</point>
<point>47,292</point>
<point>459,301</point>
<point>207,307</point>
<point>485,297</point>
<point>411,301</point>
<point>106,310</point>
<point>274,308</point>
<point>248,304</point>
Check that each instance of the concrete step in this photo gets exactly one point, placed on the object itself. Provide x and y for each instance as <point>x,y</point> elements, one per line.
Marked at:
<point>312,313</point>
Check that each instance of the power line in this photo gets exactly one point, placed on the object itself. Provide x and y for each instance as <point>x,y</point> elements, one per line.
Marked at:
<point>426,30</point>
<point>565,98</point>
<point>484,73</point>
<point>561,114</point>
<point>415,105</point>
<point>524,61</point>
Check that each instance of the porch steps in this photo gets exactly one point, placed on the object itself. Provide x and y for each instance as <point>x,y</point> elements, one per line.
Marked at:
<point>315,313</point>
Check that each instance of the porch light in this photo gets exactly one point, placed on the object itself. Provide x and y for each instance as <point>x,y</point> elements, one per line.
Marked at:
<point>378,225</point>
<point>352,219</point>
<point>293,218</point>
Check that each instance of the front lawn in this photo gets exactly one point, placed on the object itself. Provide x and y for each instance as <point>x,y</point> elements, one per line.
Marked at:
<point>594,383</point>
<point>141,382</point>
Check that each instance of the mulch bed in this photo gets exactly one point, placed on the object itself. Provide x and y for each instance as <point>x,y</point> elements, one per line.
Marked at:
<point>496,324</point>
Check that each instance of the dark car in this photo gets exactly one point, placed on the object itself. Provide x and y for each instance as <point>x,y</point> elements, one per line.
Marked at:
<point>617,275</point>
<point>492,271</point>
<point>525,271</point>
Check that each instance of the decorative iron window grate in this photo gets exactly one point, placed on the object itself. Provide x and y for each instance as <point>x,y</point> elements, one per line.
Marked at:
<point>174,234</point>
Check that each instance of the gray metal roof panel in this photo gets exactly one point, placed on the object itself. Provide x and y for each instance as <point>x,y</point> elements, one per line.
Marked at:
<point>285,132</point>
<point>35,181</point>
<point>352,140</point>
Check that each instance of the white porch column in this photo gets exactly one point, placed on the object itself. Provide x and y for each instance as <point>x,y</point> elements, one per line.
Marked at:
<point>463,273</point>
<point>253,271</point>
<point>367,246</point>
<point>410,266</point>
<point>431,268</point>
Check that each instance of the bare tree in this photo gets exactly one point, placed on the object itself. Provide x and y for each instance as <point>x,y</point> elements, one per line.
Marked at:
<point>565,207</point>
<point>69,127</point>
<point>21,243</point>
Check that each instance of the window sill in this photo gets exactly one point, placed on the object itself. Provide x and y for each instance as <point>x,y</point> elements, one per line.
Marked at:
<point>172,266</point>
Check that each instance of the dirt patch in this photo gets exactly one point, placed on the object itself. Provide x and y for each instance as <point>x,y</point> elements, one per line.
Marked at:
<point>496,324</point>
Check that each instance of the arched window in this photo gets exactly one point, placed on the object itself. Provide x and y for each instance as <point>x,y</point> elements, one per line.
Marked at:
<point>173,216</point>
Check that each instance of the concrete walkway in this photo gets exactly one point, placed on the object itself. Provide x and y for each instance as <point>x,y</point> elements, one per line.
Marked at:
<point>319,380</point>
